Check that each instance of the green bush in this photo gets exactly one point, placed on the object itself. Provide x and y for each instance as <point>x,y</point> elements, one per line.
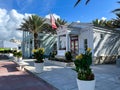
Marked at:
<point>68,56</point>
<point>82,65</point>
<point>14,53</point>
<point>52,55</point>
<point>19,54</point>
<point>39,55</point>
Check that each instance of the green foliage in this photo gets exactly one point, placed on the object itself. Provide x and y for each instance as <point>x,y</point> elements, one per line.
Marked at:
<point>5,50</point>
<point>33,24</point>
<point>104,23</point>
<point>82,65</point>
<point>68,56</point>
<point>18,54</point>
<point>52,55</point>
<point>15,53</point>
<point>39,55</point>
<point>78,1</point>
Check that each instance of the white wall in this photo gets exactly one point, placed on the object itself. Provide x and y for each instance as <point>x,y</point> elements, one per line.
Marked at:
<point>108,45</point>
<point>86,34</point>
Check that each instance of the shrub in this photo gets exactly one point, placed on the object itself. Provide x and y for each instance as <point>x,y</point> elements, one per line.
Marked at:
<point>82,65</point>
<point>68,56</point>
<point>38,55</point>
<point>52,55</point>
<point>19,54</point>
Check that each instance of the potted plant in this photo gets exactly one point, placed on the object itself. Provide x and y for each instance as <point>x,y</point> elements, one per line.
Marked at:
<point>68,56</point>
<point>39,62</point>
<point>19,56</point>
<point>85,76</point>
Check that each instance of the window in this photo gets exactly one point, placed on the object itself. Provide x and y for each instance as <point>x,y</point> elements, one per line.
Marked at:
<point>85,44</point>
<point>62,42</point>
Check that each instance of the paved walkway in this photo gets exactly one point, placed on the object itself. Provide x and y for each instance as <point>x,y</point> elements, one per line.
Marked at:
<point>107,76</point>
<point>12,79</point>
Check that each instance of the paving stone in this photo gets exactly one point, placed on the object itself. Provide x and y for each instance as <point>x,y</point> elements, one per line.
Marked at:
<point>63,78</point>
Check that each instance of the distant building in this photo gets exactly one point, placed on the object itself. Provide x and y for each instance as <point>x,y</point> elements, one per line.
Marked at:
<point>9,44</point>
<point>15,41</point>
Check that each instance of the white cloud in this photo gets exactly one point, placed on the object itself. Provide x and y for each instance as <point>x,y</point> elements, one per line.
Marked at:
<point>55,16</point>
<point>9,22</point>
<point>103,18</point>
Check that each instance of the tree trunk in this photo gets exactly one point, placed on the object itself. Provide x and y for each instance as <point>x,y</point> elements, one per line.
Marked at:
<point>35,40</point>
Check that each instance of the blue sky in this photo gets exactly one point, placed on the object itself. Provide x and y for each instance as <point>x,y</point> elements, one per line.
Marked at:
<point>64,8</point>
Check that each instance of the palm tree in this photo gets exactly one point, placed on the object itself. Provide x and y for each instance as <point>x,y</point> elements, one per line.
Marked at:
<point>33,24</point>
<point>118,9</point>
<point>104,23</point>
<point>60,22</point>
<point>47,27</point>
<point>78,1</point>
<point>116,22</point>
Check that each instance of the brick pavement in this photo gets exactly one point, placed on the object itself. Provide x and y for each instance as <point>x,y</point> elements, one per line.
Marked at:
<point>13,79</point>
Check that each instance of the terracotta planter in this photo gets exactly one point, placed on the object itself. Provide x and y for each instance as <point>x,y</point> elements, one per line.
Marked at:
<point>85,85</point>
<point>38,67</point>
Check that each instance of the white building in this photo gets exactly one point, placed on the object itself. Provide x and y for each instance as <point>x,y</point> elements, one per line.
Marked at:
<point>77,37</point>
<point>46,41</point>
<point>8,44</point>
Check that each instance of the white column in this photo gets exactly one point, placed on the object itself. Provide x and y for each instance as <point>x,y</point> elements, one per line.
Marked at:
<point>58,42</point>
<point>32,41</point>
<point>29,45</point>
<point>79,43</point>
<point>22,45</point>
<point>67,42</point>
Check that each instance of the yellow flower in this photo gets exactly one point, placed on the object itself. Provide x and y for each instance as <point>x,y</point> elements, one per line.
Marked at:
<point>34,50</point>
<point>79,56</point>
<point>88,49</point>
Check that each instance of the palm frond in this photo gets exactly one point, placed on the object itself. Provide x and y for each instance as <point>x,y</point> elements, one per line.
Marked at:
<point>78,1</point>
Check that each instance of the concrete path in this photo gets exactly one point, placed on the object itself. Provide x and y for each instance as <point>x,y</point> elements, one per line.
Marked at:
<point>12,79</point>
<point>107,76</point>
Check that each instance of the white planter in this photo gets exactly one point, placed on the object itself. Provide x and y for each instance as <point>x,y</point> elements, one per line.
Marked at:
<point>86,85</point>
<point>19,59</point>
<point>10,55</point>
<point>15,58</point>
<point>38,67</point>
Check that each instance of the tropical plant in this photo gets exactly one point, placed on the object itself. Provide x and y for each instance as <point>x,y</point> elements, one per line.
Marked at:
<point>47,28</point>
<point>39,55</point>
<point>68,56</point>
<point>52,55</point>
<point>104,23</point>
<point>82,65</point>
<point>60,22</point>
<point>78,1</point>
<point>116,22</point>
<point>19,54</point>
<point>117,10</point>
<point>15,53</point>
<point>33,24</point>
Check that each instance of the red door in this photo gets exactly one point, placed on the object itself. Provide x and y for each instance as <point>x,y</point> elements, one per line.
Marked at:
<point>74,44</point>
